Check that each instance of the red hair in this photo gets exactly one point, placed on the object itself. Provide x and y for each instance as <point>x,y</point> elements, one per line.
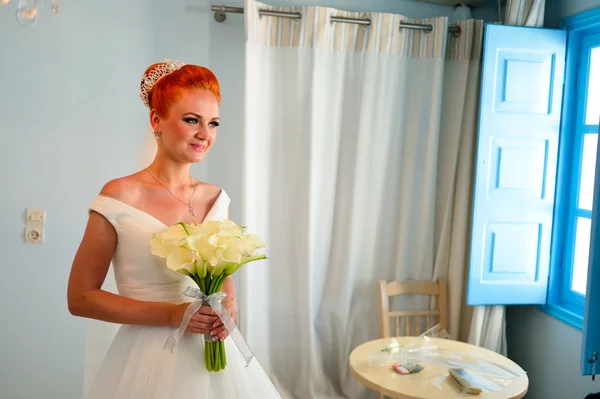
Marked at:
<point>169,89</point>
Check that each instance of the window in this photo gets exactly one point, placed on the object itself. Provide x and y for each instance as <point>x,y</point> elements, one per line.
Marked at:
<point>575,196</point>
<point>535,236</point>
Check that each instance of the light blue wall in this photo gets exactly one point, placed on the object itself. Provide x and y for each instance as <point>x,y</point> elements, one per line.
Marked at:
<point>70,120</point>
<point>558,9</point>
<point>546,348</point>
<point>549,351</point>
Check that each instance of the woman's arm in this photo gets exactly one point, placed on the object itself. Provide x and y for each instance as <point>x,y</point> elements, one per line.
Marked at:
<point>87,299</point>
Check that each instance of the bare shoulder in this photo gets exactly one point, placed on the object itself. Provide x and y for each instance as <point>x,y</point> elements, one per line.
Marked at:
<point>208,191</point>
<point>126,189</point>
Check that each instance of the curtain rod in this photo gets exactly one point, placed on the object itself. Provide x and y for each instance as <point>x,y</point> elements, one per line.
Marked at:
<point>222,11</point>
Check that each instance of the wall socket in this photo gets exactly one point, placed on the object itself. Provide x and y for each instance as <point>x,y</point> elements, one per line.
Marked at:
<point>35,220</point>
<point>34,235</point>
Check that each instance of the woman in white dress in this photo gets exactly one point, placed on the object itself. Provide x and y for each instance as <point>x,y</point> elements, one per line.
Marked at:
<point>184,114</point>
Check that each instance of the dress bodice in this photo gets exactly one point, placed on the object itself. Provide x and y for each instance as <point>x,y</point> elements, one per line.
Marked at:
<point>139,274</point>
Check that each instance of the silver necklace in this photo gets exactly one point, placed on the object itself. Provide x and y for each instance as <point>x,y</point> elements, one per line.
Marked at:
<point>189,205</point>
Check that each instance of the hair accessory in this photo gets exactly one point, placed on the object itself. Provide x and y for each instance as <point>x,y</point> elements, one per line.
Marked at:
<point>150,79</point>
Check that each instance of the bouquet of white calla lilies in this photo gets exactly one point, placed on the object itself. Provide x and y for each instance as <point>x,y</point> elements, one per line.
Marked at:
<point>208,253</point>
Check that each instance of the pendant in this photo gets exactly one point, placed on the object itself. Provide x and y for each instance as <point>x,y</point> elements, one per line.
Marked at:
<point>192,211</point>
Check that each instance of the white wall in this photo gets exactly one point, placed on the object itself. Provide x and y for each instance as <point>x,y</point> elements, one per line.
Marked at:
<point>70,120</point>
<point>546,348</point>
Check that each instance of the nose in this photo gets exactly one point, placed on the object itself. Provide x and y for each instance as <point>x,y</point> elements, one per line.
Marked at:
<point>202,133</point>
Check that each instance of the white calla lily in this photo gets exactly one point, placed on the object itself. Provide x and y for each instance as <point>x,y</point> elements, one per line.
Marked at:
<point>182,259</point>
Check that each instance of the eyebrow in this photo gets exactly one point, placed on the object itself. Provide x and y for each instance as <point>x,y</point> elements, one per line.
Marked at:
<point>200,116</point>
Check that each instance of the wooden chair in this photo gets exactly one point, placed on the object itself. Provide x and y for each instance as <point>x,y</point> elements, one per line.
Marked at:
<point>387,290</point>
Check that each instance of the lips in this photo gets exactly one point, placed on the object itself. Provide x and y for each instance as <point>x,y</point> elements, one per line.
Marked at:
<point>198,147</point>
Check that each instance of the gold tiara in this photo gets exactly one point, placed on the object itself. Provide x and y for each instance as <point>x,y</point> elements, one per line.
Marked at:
<point>149,79</point>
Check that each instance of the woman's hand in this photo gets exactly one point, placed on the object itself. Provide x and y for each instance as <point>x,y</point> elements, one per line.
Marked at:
<point>219,329</point>
<point>202,322</point>
<point>205,320</point>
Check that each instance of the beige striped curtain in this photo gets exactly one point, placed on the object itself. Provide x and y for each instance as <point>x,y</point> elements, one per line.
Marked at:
<point>525,13</point>
<point>455,164</point>
<point>483,326</point>
<point>314,30</point>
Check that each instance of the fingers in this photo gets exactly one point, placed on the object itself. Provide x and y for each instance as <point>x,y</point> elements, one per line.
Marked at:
<point>219,329</point>
<point>206,311</point>
<point>201,324</point>
<point>197,327</point>
<point>205,321</point>
<point>221,333</point>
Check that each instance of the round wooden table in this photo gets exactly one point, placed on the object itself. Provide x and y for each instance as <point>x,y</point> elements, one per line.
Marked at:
<point>433,382</point>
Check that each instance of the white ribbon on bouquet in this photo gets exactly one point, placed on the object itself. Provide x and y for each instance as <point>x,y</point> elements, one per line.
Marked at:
<point>214,301</point>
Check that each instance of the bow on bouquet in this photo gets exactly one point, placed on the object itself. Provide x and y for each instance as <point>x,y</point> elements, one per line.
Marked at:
<point>208,253</point>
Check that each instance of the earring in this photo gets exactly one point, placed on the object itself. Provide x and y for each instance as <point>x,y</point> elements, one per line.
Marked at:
<point>157,135</point>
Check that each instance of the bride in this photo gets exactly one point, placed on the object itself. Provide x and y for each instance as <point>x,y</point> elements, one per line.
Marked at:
<point>184,113</point>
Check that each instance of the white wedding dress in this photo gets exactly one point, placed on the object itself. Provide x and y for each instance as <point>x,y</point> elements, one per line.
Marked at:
<point>136,366</point>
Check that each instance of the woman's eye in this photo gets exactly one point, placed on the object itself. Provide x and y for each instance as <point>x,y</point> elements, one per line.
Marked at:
<point>214,124</point>
<point>191,120</point>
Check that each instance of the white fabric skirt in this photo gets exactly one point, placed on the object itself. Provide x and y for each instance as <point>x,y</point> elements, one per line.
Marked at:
<point>137,367</point>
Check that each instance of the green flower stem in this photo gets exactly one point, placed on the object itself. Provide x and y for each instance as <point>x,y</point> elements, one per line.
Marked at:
<point>223,357</point>
<point>214,352</point>
<point>217,356</point>
<point>222,278</point>
<point>207,284</point>
<point>185,228</point>
<point>201,284</point>
<point>216,364</point>
<point>207,358</point>
<point>211,356</point>
<point>211,287</point>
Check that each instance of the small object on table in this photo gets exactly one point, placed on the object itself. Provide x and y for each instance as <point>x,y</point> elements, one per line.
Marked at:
<point>465,381</point>
<point>392,347</point>
<point>407,368</point>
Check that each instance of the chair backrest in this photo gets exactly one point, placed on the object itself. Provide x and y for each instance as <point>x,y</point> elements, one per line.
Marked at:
<point>387,290</point>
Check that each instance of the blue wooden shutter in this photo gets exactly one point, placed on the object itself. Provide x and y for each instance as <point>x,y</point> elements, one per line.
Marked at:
<point>590,346</point>
<point>515,173</point>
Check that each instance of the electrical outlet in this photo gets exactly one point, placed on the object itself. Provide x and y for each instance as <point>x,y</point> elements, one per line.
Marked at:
<point>34,235</point>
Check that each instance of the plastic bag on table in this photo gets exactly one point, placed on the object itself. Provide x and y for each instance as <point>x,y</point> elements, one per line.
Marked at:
<point>420,347</point>
<point>424,351</point>
<point>424,344</point>
<point>471,384</point>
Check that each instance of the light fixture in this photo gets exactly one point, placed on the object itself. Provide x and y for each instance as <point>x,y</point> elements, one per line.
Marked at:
<point>461,12</point>
<point>27,10</point>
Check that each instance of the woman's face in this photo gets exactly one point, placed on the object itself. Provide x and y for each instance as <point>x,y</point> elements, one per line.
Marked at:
<point>190,128</point>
